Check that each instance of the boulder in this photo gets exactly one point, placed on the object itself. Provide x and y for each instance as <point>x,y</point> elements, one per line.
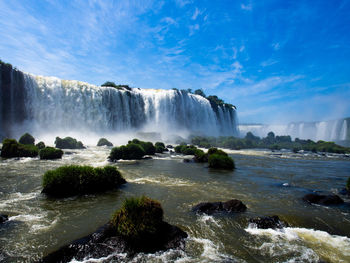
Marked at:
<point>323,199</point>
<point>268,222</point>
<point>3,218</point>
<point>231,206</point>
<point>137,226</point>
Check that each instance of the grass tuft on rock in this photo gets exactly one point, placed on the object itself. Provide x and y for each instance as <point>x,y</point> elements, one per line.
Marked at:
<point>78,180</point>
<point>220,161</point>
<point>68,143</point>
<point>11,148</point>
<point>138,218</point>
<point>49,153</point>
<point>27,139</point>
<point>104,142</point>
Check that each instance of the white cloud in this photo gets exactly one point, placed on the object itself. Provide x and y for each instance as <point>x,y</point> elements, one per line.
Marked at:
<point>196,14</point>
<point>276,46</point>
<point>247,7</point>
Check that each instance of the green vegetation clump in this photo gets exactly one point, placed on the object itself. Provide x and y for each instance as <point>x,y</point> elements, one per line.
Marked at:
<point>68,143</point>
<point>200,156</point>
<point>78,180</point>
<point>40,145</point>
<point>160,147</point>
<point>104,142</point>
<point>138,218</point>
<point>270,142</point>
<point>11,148</point>
<point>221,161</point>
<point>186,149</point>
<point>131,151</point>
<point>135,149</point>
<point>27,139</point>
<point>49,153</point>
<point>112,84</point>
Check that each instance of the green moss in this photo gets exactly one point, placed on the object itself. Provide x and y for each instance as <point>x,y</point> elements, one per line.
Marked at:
<point>104,142</point>
<point>160,147</point>
<point>40,145</point>
<point>11,148</point>
<point>220,161</point>
<point>138,218</point>
<point>77,180</point>
<point>216,151</point>
<point>132,151</point>
<point>68,143</point>
<point>27,139</point>
<point>49,153</point>
<point>200,156</point>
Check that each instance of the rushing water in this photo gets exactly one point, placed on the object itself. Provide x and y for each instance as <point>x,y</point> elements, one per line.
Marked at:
<point>47,104</point>
<point>267,182</point>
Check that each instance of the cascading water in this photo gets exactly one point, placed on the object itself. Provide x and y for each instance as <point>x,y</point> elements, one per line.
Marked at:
<point>335,130</point>
<point>48,104</point>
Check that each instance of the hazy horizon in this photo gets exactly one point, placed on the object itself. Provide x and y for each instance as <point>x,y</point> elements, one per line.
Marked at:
<point>278,62</point>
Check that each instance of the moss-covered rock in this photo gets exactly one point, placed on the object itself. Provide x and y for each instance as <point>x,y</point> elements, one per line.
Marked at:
<point>148,147</point>
<point>138,218</point>
<point>221,161</point>
<point>104,142</point>
<point>49,153</point>
<point>160,147</point>
<point>200,156</point>
<point>27,139</point>
<point>68,143</point>
<point>40,145</point>
<point>132,151</point>
<point>77,180</point>
<point>216,151</point>
<point>11,148</point>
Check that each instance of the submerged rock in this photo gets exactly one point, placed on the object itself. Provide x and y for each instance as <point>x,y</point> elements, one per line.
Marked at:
<point>231,206</point>
<point>323,199</point>
<point>3,218</point>
<point>188,160</point>
<point>268,222</point>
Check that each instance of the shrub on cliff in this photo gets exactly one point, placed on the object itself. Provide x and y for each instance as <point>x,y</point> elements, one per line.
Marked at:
<point>138,218</point>
<point>131,151</point>
<point>104,142</point>
<point>40,145</point>
<point>11,148</point>
<point>27,139</point>
<point>49,153</point>
<point>221,161</point>
<point>68,143</point>
<point>77,180</point>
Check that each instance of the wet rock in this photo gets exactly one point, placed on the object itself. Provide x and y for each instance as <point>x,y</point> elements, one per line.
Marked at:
<point>188,160</point>
<point>147,157</point>
<point>344,191</point>
<point>231,206</point>
<point>103,243</point>
<point>169,146</point>
<point>3,218</point>
<point>268,222</point>
<point>323,199</point>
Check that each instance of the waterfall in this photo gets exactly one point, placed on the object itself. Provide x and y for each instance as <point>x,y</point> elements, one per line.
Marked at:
<point>48,104</point>
<point>334,130</point>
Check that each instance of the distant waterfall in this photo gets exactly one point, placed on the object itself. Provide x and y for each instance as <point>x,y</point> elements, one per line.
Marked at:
<point>335,130</point>
<point>35,103</point>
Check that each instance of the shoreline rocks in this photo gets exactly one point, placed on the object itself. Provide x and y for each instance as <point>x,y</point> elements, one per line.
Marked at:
<point>231,206</point>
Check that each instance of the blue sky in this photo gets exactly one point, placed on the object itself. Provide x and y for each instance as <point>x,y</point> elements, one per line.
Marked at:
<point>277,61</point>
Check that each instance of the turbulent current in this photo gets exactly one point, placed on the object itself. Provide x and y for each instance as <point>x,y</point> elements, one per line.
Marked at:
<point>46,104</point>
<point>269,183</point>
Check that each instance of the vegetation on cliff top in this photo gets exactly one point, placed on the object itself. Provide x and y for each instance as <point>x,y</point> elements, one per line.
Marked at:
<point>270,142</point>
